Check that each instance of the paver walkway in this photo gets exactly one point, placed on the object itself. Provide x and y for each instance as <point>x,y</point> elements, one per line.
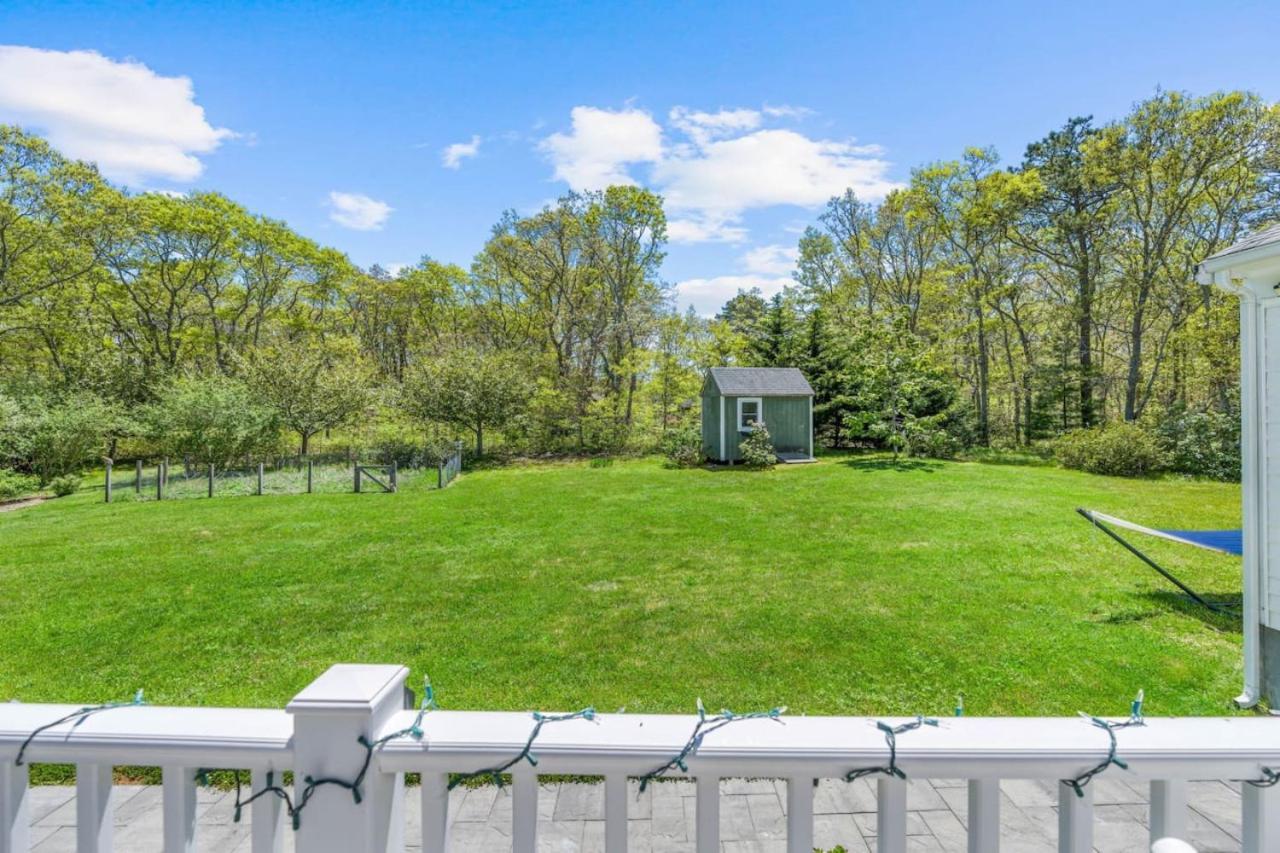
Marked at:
<point>752,818</point>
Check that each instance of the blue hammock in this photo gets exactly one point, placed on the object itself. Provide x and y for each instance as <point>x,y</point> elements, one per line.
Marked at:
<point>1222,541</point>
<point>1225,541</point>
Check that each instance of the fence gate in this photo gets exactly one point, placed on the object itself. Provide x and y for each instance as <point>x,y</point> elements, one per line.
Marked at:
<point>383,476</point>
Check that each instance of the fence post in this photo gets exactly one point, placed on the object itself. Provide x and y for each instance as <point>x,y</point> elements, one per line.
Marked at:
<point>357,470</point>
<point>137,476</point>
<point>259,478</point>
<point>440,475</point>
<point>210,479</point>
<point>108,481</point>
<point>160,481</point>
<point>393,476</point>
<point>347,702</point>
<point>308,475</point>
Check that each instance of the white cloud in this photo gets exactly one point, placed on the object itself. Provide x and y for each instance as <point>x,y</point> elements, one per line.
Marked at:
<point>704,229</point>
<point>771,260</point>
<point>134,123</point>
<point>768,167</point>
<point>703,127</point>
<point>716,166</point>
<point>353,210</point>
<point>708,295</point>
<point>767,268</point>
<point>453,155</point>
<point>786,111</point>
<point>602,143</point>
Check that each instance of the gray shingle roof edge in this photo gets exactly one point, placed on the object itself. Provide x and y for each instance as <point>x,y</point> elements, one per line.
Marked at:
<point>778,381</point>
<point>1264,237</point>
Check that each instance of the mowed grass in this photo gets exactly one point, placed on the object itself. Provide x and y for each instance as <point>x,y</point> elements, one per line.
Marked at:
<point>851,586</point>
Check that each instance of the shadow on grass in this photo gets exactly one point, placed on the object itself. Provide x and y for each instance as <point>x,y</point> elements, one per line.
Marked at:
<point>888,463</point>
<point>1225,620</point>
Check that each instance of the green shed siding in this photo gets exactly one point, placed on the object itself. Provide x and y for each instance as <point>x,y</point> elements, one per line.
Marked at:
<point>710,424</point>
<point>786,418</point>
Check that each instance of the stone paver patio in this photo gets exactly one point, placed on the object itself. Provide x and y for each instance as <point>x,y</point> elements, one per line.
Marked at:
<point>752,817</point>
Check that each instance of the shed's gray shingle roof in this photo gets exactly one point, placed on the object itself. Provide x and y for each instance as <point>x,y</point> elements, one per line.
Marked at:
<point>736,381</point>
<point>1259,238</point>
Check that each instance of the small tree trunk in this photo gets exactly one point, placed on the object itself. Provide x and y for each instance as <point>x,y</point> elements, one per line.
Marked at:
<point>306,442</point>
<point>479,439</point>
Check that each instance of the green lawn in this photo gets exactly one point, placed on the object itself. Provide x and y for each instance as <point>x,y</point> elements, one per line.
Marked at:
<point>850,586</point>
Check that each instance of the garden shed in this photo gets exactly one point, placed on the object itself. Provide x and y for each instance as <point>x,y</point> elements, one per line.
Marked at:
<point>736,398</point>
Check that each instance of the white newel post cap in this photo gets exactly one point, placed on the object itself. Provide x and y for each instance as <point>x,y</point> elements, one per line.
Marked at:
<point>331,713</point>
<point>347,688</point>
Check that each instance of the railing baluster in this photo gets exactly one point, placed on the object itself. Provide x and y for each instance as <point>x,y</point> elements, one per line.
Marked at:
<point>435,812</point>
<point>707,822</point>
<point>524,809</point>
<point>615,813</point>
<point>15,812</point>
<point>94,820</point>
<point>984,815</point>
<point>799,815</point>
<point>179,790</point>
<point>1075,820</point>
<point>266,816</point>
<point>891,815</point>
<point>1168,818</point>
<point>1261,812</point>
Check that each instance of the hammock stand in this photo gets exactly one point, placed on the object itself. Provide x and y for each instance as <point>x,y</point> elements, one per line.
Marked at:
<point>1221,541</point>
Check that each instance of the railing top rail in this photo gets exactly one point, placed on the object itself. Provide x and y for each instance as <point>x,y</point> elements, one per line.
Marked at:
<point>143,734</point>
<point>965,747</point>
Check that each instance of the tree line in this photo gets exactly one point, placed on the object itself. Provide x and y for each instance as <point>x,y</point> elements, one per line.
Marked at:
<point>980,305</point>
<point>1009,305</point>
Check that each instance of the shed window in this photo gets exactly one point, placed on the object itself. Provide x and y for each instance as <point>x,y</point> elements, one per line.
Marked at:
<point>749,413</point>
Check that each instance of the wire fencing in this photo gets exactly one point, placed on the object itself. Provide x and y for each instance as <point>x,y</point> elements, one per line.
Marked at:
<point>154,480</point>
<point>449,467</point>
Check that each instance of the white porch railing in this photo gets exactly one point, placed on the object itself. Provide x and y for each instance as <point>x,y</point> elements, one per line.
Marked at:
<point>317,737</point>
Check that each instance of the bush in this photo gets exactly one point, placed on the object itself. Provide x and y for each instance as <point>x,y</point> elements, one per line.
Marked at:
<point>15,432</point>
<point>69,434</point>
<point>757,449</point>
<point>1203,444</point>
<point>15,485</point>
<point>403,451</point>
<point>65,485</point>
<point>211,420</point>
<point>925,438</point>
<point>1120,450</point>
<point>683,447</point>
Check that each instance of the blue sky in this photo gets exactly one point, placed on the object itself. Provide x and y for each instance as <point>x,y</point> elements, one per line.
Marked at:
<point>338,117</point>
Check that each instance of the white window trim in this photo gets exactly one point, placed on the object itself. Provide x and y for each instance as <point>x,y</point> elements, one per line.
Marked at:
<point>759,411</point>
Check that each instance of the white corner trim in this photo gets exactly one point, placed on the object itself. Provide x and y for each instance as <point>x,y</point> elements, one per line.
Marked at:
<point>810,402</point>
<point>722,456</point>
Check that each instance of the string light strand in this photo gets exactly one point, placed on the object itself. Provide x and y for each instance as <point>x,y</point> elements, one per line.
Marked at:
<point>705,726</point>
<point>1135,719</point>
<point>310,784</point>
<point>526,754</point>
<point>76,718</point>
<point>891,738</point>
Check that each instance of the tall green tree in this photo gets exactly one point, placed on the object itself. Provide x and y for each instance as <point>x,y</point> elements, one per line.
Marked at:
<point>311,386</point>
<point>471,389</point>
